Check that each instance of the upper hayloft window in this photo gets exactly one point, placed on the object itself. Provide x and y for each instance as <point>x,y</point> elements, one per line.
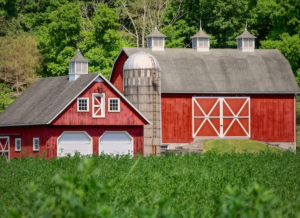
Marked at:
<point>98,105</point>
<point>114,105</point>
<point>82,104</point>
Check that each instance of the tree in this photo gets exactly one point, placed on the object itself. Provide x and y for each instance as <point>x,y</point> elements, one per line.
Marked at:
<point>5,96</point>
<point>102,43</point>
<point>58,40</point>
<point>289,46</point>
<point>19,61</point>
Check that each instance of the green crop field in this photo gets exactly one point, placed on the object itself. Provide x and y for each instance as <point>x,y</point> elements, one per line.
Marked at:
<point>206,185</point>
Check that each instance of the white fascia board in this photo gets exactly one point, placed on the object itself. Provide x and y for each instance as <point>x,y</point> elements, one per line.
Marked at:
<point>122,96</point>
<point>115,63</point>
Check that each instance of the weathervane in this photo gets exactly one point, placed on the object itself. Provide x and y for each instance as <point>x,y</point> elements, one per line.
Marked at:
<point>200,24</point>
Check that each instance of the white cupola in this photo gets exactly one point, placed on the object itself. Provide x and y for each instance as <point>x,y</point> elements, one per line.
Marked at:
<point>246,41</point>
<point>156,40</point>
<point>78,65</point>
<point>200,41</point>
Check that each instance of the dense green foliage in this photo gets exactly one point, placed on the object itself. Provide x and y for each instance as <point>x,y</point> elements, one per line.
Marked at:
<point>100,28</point>
<point>5,98</point>
<point>207,185</point>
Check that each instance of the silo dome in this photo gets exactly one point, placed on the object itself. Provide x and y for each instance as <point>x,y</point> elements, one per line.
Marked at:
<point>141,60</point>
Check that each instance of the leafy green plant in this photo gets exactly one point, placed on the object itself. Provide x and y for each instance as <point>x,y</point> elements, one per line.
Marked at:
<point>207,185</point>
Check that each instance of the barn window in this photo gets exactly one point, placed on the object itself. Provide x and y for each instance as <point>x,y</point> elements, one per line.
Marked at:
<point>114,105</point>
<point>36,144</point>
<point>164,147</point>
<point>82,104</point>
<point>18,144</point>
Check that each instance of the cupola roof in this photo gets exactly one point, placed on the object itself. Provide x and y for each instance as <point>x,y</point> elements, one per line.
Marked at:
<point>156,33</point>
<point>246,34</point>
<point>78,57</point>
<point>200,34</point>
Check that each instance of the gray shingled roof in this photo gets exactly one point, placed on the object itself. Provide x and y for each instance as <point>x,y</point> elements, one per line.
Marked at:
<point>246,35</point>
<point>156,33</point>
<point>78,57</point>
<point>200,34</point>
<point>44,99</point>
<point>223,71</point>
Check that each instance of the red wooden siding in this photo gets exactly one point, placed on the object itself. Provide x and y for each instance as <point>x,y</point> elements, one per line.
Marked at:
<point>126,116</point>
<point>48,137</point>
<point>272,117</point>
<point>26,134</point>
<point>117,73</point>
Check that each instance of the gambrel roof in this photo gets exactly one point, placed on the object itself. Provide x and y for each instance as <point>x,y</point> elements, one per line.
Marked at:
<point>223,71</point>
<point>46,98</point>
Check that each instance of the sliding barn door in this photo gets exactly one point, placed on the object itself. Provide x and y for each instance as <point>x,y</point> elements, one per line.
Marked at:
<point>215,117</point>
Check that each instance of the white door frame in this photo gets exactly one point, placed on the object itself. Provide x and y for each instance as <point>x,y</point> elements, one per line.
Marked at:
<point>5,148</point>
<point>132,140</point>
<point>206,117</point>
<point>91,144</point>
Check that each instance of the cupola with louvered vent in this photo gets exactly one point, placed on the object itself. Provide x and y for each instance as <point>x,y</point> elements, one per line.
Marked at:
<point>200,41</point>
<point>78,65</point>
<point>156,40</point>
<point>246,41</point>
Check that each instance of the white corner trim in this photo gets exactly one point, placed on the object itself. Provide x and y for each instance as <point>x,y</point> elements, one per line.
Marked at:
<point>34,144</point>
<point>114,111</point>
<point>88,104</point>
<point>96,108</point>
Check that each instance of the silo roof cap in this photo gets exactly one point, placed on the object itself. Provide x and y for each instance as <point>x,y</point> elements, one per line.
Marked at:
<point>141,60</point>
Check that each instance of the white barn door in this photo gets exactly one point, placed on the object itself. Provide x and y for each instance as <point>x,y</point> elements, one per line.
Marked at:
<point>71,142</point>
<point>113,143</point>
<point>4,147</point>
<point>226,117</point>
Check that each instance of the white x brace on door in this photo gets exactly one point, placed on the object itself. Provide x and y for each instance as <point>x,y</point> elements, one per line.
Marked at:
<point>226,117</point>
<point>4,147</point>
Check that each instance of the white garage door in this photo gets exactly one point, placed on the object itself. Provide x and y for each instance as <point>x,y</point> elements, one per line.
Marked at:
<point>116,143</point>
<point>72,142</point>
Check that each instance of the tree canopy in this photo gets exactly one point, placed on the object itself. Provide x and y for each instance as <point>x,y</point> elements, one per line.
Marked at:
<point>100,28</point>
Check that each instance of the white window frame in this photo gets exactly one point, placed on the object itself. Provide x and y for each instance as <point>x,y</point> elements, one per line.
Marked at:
<point>102,105</point>
<point>16,140</point>
<point>88,105</point>
<point>116,111</point>
<point>34,144</point>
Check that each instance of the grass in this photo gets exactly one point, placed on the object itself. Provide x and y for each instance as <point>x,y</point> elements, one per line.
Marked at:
<point>266,184</point>
<point>238,146</point>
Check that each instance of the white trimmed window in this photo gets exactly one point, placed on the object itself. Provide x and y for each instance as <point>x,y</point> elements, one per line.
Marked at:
<point>82,104</point>
<point>17,144</point>
<point>98,105</point>
<point>36,144</point>
<point>114,105</point>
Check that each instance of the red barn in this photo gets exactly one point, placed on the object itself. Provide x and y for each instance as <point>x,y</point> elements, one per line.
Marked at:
<point>217,93</point>
<point>80,112</point>
<point>157,97</point>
